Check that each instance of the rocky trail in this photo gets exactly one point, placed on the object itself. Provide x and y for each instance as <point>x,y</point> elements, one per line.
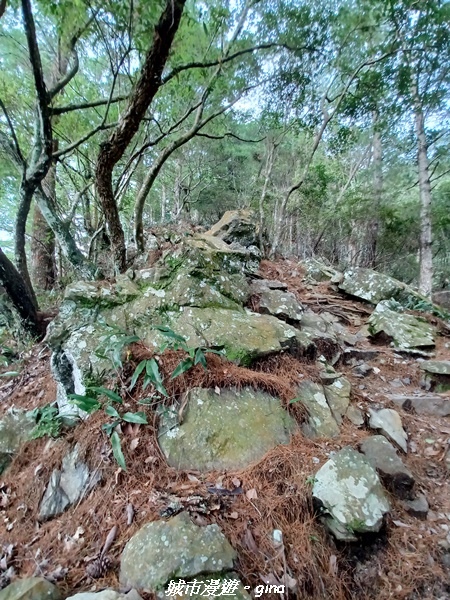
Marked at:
<point>278,428</point>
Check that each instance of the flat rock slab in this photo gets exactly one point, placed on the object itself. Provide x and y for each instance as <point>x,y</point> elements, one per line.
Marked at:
<point>407,332</point>
<point>425,404</point>
<point>258,286</point>
<point>316,271</point>
<point>374,287</point>
<point>67,486</point>
<point>283,305</point>
<point>32,588</point>
<point>166,550</point>
<point>389,423</point>
<point>320,422</point>
<point>240,226</point>
<point>418,506</point>
<point>226,431</point>
<point>348,487</point>
<point>384,458</point>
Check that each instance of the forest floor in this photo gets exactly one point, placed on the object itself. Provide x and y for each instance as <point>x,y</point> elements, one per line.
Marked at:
<point>406,560</point>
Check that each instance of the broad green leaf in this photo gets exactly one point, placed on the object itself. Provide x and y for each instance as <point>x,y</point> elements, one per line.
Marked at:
<point>108,393</point>
<point>117,450</point>
<point>112,412</point>
<point>10,374</point>
<point>137,417</point>
<point>137,372</point>
<point>200,358</point>
<point>170,333</point>
<point>154,375</point>
<point>184,366</point>
<point>87,404</point>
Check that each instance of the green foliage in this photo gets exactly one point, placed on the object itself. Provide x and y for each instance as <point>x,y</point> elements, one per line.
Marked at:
<point>48,422</point>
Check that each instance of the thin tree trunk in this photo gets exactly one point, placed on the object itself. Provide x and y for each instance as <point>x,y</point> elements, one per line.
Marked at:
<point>426,255</point>
<point>19,293</point>
<point>112,150</point>
<point>270,160</point>
<point>373,226</point>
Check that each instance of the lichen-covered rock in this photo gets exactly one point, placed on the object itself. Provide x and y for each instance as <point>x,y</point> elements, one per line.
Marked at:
<point>240,226</point>
<point>67,486</point>
<point>245,336</point>
<point>226,431</point>
<point>258,286</point>
<point>15,429</point>
<point>32,588</point>
<point>167,550</point>
<point>317,271</point>
<point>407,332</point>
<point>349,489</point>
<point>388,422</point>
<point>283,305</point>
<point>320,421</point>
<point>102,293</point>
<point>374,287</point>
<point>337,394</point>
<point>384,458</point>
<point>437,374</point>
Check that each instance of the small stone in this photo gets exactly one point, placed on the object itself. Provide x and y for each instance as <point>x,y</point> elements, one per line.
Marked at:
<point>384,458</point>
<point>425,404</point>
<point>320,422</point>
<point>338,397</point>
<point>389,423</point>
<point>418,507</point>
<point>362,370</point>
<point>355,415</point>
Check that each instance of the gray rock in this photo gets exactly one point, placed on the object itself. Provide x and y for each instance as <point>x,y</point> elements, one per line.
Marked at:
<point>408,333</point>
<point>338,397</point>
<point>258,286</point>
<point>362,370</point>
<point>388,422</point>
<point>384,458</point>
<point>317,271</point>
<point>240,226</point>
<point>374,287</point>
<point>442,298</point>
<point>437,374</point>
<point>320,422</point>
<point>348,488</point>
<point>355,415</point>
<point>67,486</point>
<point>15,429</point>
<point>165,550</point>
<point>226,431</point>
<point>428,404</point>
<point>352,356</point>
<point>106,595</point>
<point>418,506</point>
<point>32,588</point>
<point>283,305</point>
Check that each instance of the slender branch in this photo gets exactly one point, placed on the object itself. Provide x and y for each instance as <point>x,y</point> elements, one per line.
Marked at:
<point>61,110</point>
<point>69,75</point>
<point>13,133</point>
<point>83,139</point>
<point>229,134</point>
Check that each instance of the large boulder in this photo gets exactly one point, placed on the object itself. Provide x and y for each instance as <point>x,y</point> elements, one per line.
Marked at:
<point>374,287</point>
<point>162,551</point>
<point>436,375</point>
<point>239,226</point>
<point>317,271</point>
<point>442,299</point>
<point>280,304</point>
<point>423,404</point>
<point>223,431</point>
<point>349,490</point>
<point>408,333</point>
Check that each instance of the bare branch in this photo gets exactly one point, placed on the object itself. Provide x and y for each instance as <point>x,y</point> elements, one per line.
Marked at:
<point>13,133</point>
<point>83,139</point>
<point>229,134</point>
<point>61,110</point>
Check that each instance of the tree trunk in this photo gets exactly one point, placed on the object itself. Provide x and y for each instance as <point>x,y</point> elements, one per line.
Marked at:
<point>19,294</point>
<point>270,160</point>
<point>373,226</point>
<point>112,150</point>
<point>426,256</point>
<point>20,254</point>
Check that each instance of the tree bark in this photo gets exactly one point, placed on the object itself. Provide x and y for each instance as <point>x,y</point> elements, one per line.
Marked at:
<point>19,294</point>
<point>373,226</point>
<point>113,149</point>
<point>270,160</point>
<point>426,256</point>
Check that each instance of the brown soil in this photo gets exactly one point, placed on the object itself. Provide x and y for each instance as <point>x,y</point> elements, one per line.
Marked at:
<point>404,561</point>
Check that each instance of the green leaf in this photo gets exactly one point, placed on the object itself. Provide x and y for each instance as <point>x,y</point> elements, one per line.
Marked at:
<point>10,374</point>
<point>184,366</point>
<point>85,403</point>
<point>109,427</point>
<point>137,372</point>
<point>169,333</point>
<point>200,358</point>
<point>117,450</point>
<point>108,393</point>
<point>154,375</point>
<point>112,412</point>
<point>137,417</point>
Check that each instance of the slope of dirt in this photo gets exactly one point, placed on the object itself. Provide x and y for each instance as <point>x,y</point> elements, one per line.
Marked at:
<point>404,561</point>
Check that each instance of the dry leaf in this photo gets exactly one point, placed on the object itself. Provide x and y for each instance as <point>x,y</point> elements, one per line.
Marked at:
<point>249,541</point>
<point>236,482</point>
<point>251,494</point>
<point>217,390</point>
<point>219,482</point>
<point>193,478</point>
<point>134,444</point>
<point>234,515</point>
